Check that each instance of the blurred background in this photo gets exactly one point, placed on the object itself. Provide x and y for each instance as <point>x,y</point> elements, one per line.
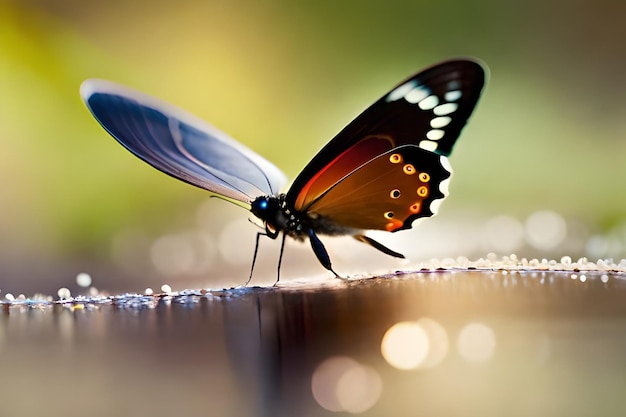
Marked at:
<point>539,169</point>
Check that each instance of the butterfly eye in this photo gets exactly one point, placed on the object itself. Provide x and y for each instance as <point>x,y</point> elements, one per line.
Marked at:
<point>394,194</point>
<point>260,205</point>
<point>395,158</point>
<point>415,208</point>
<point>389,215</point>
<point>422,191</point>
<point>408,169</point>
<point>424,177</point>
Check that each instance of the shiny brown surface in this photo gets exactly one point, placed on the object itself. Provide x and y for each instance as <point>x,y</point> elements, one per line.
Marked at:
<point>557,343</point>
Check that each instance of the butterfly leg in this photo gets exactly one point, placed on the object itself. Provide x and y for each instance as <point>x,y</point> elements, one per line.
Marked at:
<point>280,259</point>
<point>256,250</point>
<point>320,252</point>
<point>272,235</point>
<point>377,245</point>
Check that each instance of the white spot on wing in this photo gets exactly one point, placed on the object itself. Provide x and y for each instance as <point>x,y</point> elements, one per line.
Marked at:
<point>439,122</point>
<point>445,164</point>
<point>435,134</point>
<point>435,205</point>
<point>428,103</point>
<point>453,95</point>
<point>428,145</point>
<point>401,91</point>
<point>444,186</point>
<point>417,94</point>
<point>417,221</point>
<point>446,108</point>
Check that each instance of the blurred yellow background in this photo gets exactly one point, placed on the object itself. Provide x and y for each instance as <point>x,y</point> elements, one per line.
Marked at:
<point>282,77</point>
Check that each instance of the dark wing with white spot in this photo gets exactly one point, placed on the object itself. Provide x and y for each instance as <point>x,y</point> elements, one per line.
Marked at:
<point>180,144</point>
<point>428,110</point>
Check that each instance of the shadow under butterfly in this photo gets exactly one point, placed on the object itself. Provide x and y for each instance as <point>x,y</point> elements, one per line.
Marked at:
<point>384,170</point>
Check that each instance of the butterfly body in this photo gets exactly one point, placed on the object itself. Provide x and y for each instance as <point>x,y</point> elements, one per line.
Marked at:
<point>383,171</point>
<point>277,215</point>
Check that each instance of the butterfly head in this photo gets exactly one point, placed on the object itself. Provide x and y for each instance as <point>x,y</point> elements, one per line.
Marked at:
<point>263,205</point>
<point>271,209</point>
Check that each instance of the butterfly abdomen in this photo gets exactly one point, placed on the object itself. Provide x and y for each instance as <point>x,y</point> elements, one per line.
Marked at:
<point>275,212</point>
<point>322,225</point>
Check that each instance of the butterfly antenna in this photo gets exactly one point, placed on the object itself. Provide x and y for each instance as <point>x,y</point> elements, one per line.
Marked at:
<point>255,223</point>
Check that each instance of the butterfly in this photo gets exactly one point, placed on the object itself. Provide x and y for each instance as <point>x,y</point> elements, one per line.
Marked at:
<point>384,170</point>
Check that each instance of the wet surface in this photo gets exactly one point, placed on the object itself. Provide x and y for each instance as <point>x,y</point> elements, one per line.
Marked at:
<point>489,343</point>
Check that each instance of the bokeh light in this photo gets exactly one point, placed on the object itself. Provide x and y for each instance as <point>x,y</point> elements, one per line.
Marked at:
<point>476,342</point>
<point>504,233</point>
<point>172,255</point>
<point>237,238</point>
<point>341,384</point>
<point>610,244</point>
<point>183,253</point>
<point>438,342</point>
<point>64,293</point>
<point>419,344</point>
<point>358,389</point>
<point>83,279</point>
<point>545,230</point>
<point>405,345</point>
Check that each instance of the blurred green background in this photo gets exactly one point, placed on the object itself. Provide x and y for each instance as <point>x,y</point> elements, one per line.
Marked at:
<point>282,77</point>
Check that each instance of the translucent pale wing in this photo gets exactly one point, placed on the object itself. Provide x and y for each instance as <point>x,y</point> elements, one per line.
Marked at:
<point>389,192</point>
<point>180,144</point>
<point>428,110</point>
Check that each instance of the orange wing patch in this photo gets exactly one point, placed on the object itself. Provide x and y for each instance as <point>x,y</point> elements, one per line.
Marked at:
<point>386,192</point>
<point>349,160</point>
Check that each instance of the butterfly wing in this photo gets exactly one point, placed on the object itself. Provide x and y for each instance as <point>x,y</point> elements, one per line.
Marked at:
<point>180,144</point>
<point>389,192</point>
<point>428,110</point>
